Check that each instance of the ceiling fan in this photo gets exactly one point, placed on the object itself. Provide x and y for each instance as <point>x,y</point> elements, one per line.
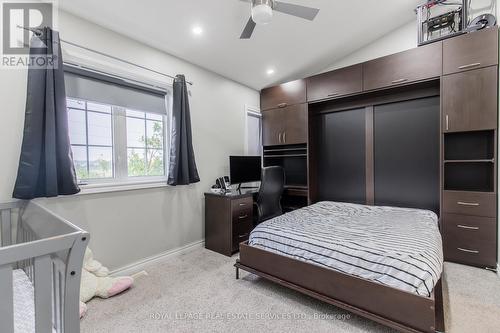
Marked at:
<point>262,13</point>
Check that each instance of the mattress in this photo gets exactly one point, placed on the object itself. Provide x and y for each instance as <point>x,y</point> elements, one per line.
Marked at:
<point>24,303</point>
<point>397,247</point>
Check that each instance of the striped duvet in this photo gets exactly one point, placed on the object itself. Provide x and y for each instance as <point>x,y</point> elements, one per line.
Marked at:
<point>398,247</point>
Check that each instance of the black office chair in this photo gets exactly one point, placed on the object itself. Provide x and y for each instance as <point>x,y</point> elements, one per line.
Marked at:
<point>270,192</point>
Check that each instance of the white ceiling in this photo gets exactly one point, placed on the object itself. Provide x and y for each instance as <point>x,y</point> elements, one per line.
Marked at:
<point>292,46</point>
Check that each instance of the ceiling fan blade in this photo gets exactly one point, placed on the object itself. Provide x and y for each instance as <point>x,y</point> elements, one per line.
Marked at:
<point>304,12</point>
<point>248,31</point>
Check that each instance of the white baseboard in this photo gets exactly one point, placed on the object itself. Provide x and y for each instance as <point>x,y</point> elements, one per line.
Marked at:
<point>140,265</point>
<point>498,270</point>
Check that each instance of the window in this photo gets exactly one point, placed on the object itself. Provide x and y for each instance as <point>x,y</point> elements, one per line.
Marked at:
<point>117,133</point>
<point>254,133</point>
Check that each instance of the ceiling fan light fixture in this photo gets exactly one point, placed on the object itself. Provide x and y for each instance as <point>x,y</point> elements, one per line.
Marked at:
<point>262,11</point>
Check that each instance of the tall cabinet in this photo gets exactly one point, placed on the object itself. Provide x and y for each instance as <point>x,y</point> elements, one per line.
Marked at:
<point>469,127</point>
<point>413,129</point>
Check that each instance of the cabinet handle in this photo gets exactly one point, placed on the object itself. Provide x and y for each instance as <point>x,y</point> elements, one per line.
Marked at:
<point>284,137</point>
<point>470,65</point>
<point>470,204</point>
<point>399,81</point>
<point>242,217</point>
<point>242,204</point>
<point>243,236</point>
<point>333,94</point>
<point>467,227</point>
<point>279,137</point>
<point>468,251</point>
<point>447,122</point>
<point>282,105</point>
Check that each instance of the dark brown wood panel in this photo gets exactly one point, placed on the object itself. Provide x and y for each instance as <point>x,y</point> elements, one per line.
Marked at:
<point>470,240</point>
<point>272,127</point>
<point>470,203</point>
<point>285,94</point>
<point>470,100</point>
<point>404,311</point>
<point>417,64</point>
<point>334,84</point>
<point>296,128</point>
<point>470,51</point>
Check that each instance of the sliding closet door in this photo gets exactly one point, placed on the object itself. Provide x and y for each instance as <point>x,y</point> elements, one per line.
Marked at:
<point>406,154</point>
<point>341,156</point>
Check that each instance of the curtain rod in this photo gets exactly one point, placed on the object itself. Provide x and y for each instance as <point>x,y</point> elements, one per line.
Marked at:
<point>37,33</point>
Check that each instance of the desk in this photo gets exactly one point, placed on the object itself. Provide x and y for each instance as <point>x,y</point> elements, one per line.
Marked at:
<point>228,220</point>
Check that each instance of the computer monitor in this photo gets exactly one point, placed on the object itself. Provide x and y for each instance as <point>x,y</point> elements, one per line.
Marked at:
<point>245,169</point>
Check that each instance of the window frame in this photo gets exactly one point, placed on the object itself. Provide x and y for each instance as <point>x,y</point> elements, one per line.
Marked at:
<point>120,180</point>
<point>251,111</point>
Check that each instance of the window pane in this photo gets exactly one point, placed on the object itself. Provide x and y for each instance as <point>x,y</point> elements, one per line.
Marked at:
<point>76,123</point>
<point>98,107</point>
<point>254,142</point>
<point>80,161</point>
<point>100,162</point>
<point>155,134</point>
<point>155,165</point>
<point>136,114</point>
<point>136,162</point>
<point>154,116</point>
<point>135,133</point>
<point>100,132</point>
<point>75,103</point>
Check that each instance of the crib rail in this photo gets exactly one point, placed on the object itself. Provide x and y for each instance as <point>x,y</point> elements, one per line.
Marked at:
<point>50,250</point>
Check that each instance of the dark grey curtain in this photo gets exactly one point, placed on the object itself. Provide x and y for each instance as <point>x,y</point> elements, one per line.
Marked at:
<point>182,165</point>
<point>46,163</point>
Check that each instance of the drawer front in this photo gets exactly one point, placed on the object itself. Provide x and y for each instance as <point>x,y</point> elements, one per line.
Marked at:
<point>470,203</point>
<point>335,84</point>
<point>241,232</point>
<point>413,65</point>
<point>241,209</point>
<point>285,94</point>
<point>470,51</point>
<point>470,239</point>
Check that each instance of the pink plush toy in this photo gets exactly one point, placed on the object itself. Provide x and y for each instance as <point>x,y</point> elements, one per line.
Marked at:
<point>97,282</point>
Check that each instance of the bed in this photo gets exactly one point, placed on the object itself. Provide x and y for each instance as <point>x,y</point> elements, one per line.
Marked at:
<point>384,263</point>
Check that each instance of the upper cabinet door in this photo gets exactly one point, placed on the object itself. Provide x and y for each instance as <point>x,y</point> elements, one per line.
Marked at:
<point>296,128</point>
<point>417,64</point>
<point>335,84</point>
<point>285,94</point>
<point>273,127</point>
<point>470,51</point>
<point>470,100</point>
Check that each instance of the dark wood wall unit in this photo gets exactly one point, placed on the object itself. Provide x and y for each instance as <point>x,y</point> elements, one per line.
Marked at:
<point>335,84</point>
<point>470,51</point>
<point>373,125</point>
<point>341,150</point>
<point>406,154</point>
<point>418,64</point>
<point>470,100</point>
<point>285,94</point>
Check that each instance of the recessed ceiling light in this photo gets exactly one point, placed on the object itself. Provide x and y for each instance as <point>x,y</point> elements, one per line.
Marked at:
<point>270,71</point>
<point>197,30</point>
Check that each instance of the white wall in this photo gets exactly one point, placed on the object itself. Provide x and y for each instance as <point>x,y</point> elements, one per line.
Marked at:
<point>126,227</point>
<point>401,39</point>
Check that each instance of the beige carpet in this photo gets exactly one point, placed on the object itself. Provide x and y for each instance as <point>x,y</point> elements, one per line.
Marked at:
<point>197,292</point>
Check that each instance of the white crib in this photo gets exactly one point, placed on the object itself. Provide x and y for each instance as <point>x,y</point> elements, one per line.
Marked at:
<point>39,272</point>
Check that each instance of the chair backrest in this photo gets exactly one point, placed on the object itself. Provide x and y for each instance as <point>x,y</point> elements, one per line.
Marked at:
<point>271,190</point>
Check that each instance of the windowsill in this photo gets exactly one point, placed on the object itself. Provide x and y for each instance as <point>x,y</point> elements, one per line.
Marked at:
<point>123,186</point>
